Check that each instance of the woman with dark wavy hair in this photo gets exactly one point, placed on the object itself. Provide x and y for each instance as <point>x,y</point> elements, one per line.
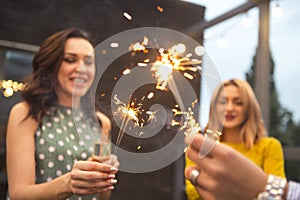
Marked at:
<point>46,157</point>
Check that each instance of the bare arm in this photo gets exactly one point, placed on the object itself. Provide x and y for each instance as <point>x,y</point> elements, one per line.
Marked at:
<point>21,162</point>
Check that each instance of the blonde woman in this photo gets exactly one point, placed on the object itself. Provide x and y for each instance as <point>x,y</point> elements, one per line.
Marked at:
<point>235,112</point>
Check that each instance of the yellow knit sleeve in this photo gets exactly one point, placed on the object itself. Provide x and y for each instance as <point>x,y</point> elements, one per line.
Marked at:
<point>273,162</point>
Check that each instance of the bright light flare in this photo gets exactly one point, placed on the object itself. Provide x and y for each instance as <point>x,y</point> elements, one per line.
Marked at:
<point>129,111</point>
<point>170,61</point>
<point>9,87</point>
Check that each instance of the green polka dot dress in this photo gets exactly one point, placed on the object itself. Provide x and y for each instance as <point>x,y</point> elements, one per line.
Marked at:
<point>60,141</point>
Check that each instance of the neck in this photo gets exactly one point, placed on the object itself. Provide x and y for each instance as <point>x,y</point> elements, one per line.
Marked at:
<point>70,102</point>
<point>232,135</point>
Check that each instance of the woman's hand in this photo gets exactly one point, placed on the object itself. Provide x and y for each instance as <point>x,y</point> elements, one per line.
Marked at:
<point>109,160</point>
<point>89,177</point>
<point>224,173</point>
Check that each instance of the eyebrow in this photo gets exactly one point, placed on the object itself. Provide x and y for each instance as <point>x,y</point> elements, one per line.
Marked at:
<point>74,54</point>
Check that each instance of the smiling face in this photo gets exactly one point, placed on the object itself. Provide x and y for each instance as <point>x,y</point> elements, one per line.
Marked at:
<point>230,107</point>
<point>77,70</point>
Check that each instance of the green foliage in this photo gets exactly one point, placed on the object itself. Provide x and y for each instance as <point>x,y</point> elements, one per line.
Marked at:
<point>282,125</point>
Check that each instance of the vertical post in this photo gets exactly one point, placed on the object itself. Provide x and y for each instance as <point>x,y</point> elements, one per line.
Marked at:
<point>262,66</point>
<point>2,61</point>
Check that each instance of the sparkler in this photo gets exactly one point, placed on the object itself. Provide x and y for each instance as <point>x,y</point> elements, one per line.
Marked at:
<point>129,112</point>
<point>169,62</point>
<point>192,127</point>
<point>163,68</point>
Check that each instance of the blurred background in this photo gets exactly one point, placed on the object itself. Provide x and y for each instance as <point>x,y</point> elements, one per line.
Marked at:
<point>229,30</point>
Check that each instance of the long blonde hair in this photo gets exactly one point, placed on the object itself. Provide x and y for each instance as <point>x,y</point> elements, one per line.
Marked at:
<point>253,127</point>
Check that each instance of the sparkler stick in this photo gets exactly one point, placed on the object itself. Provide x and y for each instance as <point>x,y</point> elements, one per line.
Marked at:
<point>173,87</point>
<point>121,133</point>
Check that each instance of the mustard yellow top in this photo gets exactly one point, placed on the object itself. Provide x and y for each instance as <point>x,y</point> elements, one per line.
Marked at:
<point>267,153</point>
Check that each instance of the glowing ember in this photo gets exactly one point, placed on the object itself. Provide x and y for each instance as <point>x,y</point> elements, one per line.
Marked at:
<point>126,71</point>
<point>127,16</point>
<point>136,47</point>
<point>187,75</point>
<point>114,44</point>
<point>214,135</point>
<point>160,9</point>
<point>150,95</point>
<point>190,125</point>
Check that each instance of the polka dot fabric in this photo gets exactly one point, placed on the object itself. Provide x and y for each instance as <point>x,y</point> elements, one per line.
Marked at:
<point>58,144</point>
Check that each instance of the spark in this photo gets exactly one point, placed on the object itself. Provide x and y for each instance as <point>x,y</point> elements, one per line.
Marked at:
<point>190,125</point>
<point>128,111</point>
<point>160,9</point>
<point>126,71</point>
<point>114,44</point>
<point>140,46</point>
<point>150,95</point>
<point>127,16</point>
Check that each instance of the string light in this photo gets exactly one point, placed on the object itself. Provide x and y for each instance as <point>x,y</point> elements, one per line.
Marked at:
<point>247,20</point>
<point>222,42</point>
<point>9,87</point>
<point>277,10</point>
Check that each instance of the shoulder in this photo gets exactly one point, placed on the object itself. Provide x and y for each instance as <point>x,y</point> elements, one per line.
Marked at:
<point>270,142</point>
<point>105,121</point>
<point>103,118</point>
<point>20,109</point>
<point>18,119</point>
<point>19,114</point>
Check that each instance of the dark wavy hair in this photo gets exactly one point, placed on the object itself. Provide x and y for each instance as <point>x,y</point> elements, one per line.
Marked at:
<point>40,86</point>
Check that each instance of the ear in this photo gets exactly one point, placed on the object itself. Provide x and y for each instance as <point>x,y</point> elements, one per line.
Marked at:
<point>105,122</point>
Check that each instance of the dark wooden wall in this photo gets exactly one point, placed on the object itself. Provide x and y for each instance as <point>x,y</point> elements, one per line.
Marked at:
<point>32,21</point>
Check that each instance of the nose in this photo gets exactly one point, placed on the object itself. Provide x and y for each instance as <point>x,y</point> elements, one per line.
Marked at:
<point>80,67</point>
<point>229,106</point>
